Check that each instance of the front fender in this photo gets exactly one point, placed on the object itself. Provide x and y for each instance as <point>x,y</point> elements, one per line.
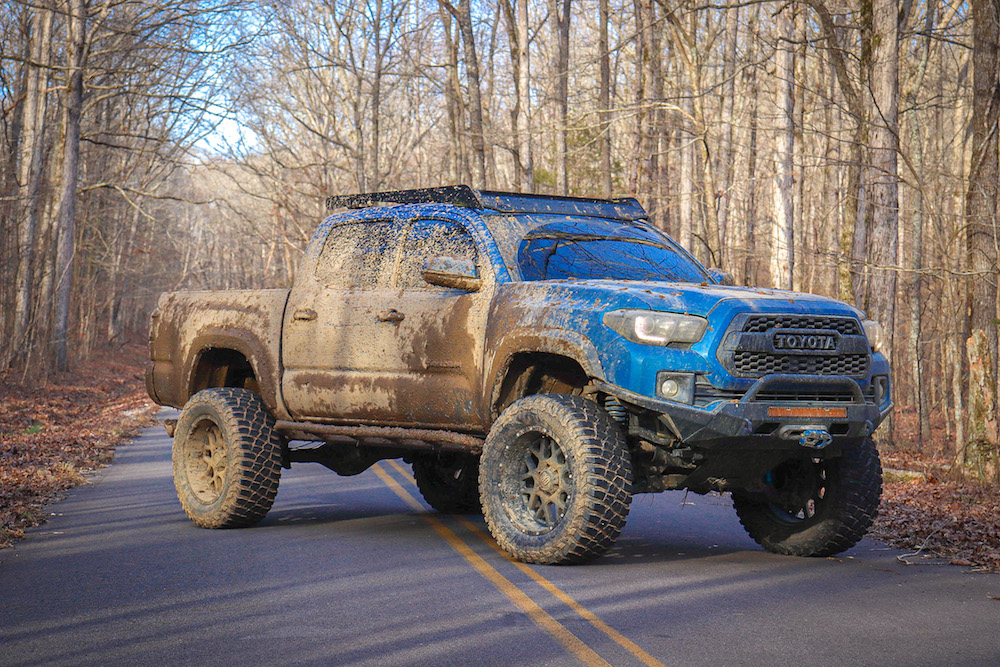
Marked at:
<point>562,342</point>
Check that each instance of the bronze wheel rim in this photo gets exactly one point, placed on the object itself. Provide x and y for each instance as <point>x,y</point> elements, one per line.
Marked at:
<point>206,461</point>
<point>545,484</point>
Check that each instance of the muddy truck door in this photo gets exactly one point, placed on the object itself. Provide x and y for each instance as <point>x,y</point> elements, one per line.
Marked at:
<point>338,350</point>
<point>440,331</point>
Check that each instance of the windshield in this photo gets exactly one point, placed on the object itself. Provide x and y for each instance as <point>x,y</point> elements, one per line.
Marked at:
<point>550,247</point>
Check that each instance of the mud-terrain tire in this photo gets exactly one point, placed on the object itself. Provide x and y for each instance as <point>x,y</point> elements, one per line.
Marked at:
<point>556,480</point>
<point>843,497</point>
<point>226,458</point>
<point>449,483</point>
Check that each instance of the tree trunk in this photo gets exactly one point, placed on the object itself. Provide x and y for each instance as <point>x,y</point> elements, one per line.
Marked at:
<point>560,16</point>
<point>457,167</point>
<point>374,177</point>
<point>76,42</point>
<point>30,174</point>
<point>980,457</point>
<point>803,249</point>
<point>916,253</point>
<point>981,211</point>
<point>464,18</point>
<point>527,166</point>
<point>517,35</point>
<point>725,158</point>
<point>640,148</point>
<point>957,288</point>
<point>655,116</point>
<point>685,183</point>
<point>751,262</point>
<point>604,99</point>
<point>782,237</point>
<point>880,301</point>
<point>916,301</point>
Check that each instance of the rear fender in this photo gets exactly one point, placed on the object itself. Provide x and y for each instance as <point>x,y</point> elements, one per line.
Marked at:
<point>255,350</point>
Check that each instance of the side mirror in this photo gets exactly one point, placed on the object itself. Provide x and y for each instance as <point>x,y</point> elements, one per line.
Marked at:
<point>722,276</point>
<point>454,272</point>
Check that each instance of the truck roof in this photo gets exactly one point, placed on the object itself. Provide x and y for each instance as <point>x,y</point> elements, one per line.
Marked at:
<point>624,208</point>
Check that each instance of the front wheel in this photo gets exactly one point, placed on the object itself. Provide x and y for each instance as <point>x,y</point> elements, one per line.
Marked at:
<point>555,478</point>
<point>226,458</point>
<point>815,507</point>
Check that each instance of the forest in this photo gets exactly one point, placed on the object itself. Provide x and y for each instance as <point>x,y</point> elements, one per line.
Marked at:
<point>841,147</point>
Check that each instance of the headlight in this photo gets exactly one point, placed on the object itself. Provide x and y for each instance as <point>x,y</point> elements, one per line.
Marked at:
<point>875,334</point>
<point>653,328</point>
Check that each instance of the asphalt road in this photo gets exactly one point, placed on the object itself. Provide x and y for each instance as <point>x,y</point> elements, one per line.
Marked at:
<point>357,570</point>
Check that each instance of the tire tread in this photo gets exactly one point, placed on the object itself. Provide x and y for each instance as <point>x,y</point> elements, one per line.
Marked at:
<point>600,446</point>
<point>255,452</point>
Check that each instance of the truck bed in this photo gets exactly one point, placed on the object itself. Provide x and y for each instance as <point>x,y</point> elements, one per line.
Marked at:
<point>189,326</point>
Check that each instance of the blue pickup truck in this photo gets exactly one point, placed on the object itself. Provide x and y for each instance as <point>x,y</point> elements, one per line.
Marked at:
<point>540,359</point>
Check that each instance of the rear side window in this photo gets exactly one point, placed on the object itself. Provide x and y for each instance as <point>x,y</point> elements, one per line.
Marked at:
<point>433,238</point>
<point>358,254</point>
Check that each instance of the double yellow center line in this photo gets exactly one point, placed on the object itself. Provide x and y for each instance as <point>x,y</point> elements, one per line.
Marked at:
<point>530,608</point>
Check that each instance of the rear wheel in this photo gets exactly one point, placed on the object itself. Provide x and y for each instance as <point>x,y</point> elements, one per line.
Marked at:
<point>226,458</point>
<point>449,483</point>
<point>816,507</point>
<point>555,478</point>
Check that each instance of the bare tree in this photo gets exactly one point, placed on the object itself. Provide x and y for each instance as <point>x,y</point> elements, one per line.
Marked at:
<point>560,15</point>
<point>982,454</point>
<point>30,171</point>
<point>463,16</point>
<point>604,98</point>
<point>783,229</point>
<point>77,47</point>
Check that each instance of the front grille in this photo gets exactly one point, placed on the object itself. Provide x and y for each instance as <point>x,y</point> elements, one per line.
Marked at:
<point>842,325</point>
<point>804,396</point>
<point>751,352</point>
<point>756,364</point>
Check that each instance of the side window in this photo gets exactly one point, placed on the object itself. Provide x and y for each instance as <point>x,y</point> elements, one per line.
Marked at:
<point>432,238</point>
<point>358,254</point>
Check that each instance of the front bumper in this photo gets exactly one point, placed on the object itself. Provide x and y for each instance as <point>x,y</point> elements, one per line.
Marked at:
<point>752,422</point>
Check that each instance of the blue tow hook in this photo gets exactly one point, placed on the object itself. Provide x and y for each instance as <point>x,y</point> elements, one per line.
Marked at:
<point>815,438</point>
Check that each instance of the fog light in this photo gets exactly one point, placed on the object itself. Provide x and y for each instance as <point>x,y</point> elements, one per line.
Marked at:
<point>678,387</point>
<point>669,388</point>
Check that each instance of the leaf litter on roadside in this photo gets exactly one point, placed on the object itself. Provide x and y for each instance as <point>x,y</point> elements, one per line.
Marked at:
<point>52,436</point>
<point>954,521</point>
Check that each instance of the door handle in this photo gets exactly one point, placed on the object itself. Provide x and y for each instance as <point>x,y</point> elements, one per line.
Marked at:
<point>304,314</point>
<point>391,315</point>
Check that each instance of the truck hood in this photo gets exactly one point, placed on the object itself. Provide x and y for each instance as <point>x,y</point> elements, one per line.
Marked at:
<point>691,298</point>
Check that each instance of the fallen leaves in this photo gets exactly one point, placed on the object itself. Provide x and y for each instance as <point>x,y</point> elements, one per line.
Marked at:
<point>51,436</point>
<point>958,522</point>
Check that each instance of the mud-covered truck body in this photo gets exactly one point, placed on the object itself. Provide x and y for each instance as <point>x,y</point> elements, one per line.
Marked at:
<point>537,358</point>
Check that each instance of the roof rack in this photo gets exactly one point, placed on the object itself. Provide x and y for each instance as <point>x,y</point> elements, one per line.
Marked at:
<point>459,195</point>
<point>625,208</point>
